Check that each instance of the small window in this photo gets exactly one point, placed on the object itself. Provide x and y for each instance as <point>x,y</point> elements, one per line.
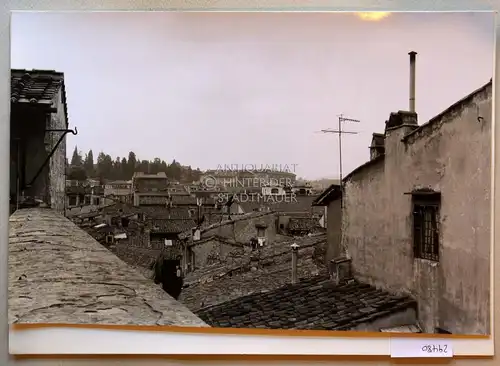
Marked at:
<point>125,221</point>
<point>97,201</point>
<point>282,227</point>
<point>275,190</point>
<point>261,232</point>
<point>426,226</point>
<point>72,200</point>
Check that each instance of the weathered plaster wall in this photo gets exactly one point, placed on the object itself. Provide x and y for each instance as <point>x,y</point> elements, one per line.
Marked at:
<point>243,230</point>
<point>214,251</point>
<point>30,125</point>
<point>334,229</point>
<point>57,163</point>
<point>453,156</point>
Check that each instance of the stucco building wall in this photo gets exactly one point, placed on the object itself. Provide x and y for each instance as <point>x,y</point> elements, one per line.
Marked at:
<point>452,155</point>
<point>244,229</point>
<point>57,163</point>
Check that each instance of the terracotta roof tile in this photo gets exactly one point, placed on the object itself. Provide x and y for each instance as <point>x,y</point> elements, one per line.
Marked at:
<point>314,303</point>
<point>302,223</point>
<point>292,204</point>
<point>172,226</point>
<point>245,273</point>
<point>35,86</point>
<point>166,212</point>
<point>116,207</point>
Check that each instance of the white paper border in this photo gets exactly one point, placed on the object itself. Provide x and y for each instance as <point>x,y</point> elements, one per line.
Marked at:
<point>90,341</point>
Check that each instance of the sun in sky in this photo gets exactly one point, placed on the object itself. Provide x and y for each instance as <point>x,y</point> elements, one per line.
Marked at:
<point>373,16</point>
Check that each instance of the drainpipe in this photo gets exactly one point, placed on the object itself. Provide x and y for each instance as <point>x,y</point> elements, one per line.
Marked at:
<point>295,252</point>
<point>413,56</point>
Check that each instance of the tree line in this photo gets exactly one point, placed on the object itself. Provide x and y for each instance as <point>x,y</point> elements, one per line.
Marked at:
<point>105,167</point>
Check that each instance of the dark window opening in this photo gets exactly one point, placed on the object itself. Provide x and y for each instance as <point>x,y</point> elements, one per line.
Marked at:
<point>275,190</point>
<point>261,232</point>
<point>81,198</point>
<point>125,221</point>
<point>282,226</point>
<point>169,274</point>
<point>426,226</point>
<point>72,200</point>
<point>87,200</point>
<point>254,243</point>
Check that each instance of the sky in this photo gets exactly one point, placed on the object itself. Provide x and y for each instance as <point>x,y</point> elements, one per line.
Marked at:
<point>214,89</point>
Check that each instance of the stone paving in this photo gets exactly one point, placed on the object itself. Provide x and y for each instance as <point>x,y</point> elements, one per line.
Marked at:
<point>60,274</point>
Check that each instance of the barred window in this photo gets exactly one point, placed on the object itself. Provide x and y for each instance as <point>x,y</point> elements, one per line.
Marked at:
<point>426,227</point>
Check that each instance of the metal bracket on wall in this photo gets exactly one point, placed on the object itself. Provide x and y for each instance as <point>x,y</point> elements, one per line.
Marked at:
<point>47,159</point>
<point>479,118</point>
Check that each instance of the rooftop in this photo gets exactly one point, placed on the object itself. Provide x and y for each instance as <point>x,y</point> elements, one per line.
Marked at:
<point>171,226</point>
<point>234,218</point>
<point>160,175</point>
<point>38,87</point>
<point>434,123</point>
<point>287,204</point>
<point>303,223</point>
<point>263,270</point>
<point>330,194</point>
<point>315,303</point>
<point>60,274</point>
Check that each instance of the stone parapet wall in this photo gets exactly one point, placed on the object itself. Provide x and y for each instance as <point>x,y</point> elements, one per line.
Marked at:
<point>59,274</point>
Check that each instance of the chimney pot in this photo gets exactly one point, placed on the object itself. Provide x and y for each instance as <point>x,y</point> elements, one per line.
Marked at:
<point>413,55</point>
<point>295,253</point>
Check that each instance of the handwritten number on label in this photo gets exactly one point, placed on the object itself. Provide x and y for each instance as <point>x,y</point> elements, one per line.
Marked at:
<point>401,348</point>
<point>432,348</point>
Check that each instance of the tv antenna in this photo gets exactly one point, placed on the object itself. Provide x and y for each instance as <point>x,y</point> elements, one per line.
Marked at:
<point>339,131</point>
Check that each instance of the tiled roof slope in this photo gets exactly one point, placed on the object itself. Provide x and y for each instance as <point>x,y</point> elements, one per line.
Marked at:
<point>37,87</point>
<point>315,303</point>
<point>296,204</point>
<point>172,226</point>
<point>59,274</point>
<point>302,223</point>
<point>266,269</point>
<point>234,218</point>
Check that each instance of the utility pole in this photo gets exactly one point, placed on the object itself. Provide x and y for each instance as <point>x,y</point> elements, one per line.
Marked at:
<point>340,132</point>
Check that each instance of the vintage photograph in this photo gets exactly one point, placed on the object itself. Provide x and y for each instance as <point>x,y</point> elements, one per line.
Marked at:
<point>312,171</point>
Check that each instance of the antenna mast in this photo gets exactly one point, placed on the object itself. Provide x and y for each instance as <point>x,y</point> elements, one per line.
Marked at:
<point>340,132</point>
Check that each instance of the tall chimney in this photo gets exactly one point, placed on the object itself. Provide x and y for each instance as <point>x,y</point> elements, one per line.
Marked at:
<point>295,252</point>
<point>413,56</point>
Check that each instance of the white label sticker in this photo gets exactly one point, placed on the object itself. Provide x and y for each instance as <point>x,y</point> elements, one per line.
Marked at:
<point>415,347</point>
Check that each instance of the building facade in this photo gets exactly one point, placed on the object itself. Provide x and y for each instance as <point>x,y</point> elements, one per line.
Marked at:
<point>39,123</point>
<point>120,190</point>
<point>416,217</point>
<point>330,199</point>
